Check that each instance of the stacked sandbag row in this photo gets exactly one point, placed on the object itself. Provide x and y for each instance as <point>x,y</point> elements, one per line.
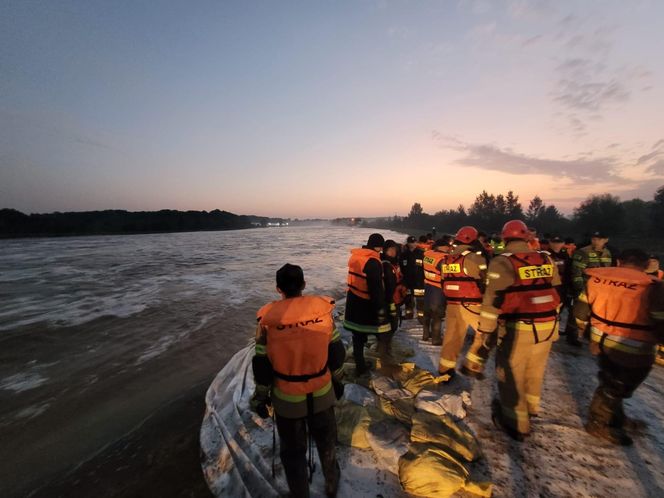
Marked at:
<point>411,429</point>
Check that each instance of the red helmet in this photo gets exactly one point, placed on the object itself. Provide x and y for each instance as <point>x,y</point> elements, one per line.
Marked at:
<point>466,235</point>
<point>515,229</point>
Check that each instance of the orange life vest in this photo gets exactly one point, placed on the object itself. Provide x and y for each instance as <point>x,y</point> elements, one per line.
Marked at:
<point>400,291</point>
<point>431,263</point>
<point>357,279</point>
<point>457,286</point>
<point>425,246</point>
<point>299,331</point>
<point>619,300</point>
<point>531,297</point>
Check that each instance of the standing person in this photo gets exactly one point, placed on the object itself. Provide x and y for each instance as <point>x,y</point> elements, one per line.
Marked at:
<point>533,241</point>
<point>412,269</point>
<point>625,310</point>
<point>434,301</point>
<point>595,255</point>
<point>297,350</point>
<point>464,273</point>
<point>392,280</point>
<point>563,262</point>
<point>484,245</point>
<point>366,309</point>
<point>653,267</point>
<point>519,307</point>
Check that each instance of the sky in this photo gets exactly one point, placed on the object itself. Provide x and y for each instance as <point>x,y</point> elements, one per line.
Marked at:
<point>327,109</point>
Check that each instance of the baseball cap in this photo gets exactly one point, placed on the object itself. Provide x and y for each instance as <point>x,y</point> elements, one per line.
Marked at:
<point>411,239</point>
<point>600,234</point>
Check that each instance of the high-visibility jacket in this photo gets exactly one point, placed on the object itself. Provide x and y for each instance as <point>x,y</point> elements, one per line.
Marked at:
<point>457,285</point>
<point>531,297</point>
<point>619,299</point>
<point>298,332</point>
<point>357,279</point>
<point>432,262</point>
<point>425,246</point>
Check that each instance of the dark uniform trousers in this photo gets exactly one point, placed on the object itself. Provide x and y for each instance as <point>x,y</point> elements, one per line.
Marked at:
<point>617,381</point>
<point>293,441</point>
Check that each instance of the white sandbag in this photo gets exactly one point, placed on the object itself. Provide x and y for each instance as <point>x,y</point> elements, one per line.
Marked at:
<point>439,404</point>
<point>389,388</point>
<point>389,440</point>
<point>360,395</point>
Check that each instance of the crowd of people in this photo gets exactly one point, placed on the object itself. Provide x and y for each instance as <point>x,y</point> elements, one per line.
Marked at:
<point>506,291</point>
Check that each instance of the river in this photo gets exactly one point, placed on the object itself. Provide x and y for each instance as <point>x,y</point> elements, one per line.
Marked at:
<point>107,344</point>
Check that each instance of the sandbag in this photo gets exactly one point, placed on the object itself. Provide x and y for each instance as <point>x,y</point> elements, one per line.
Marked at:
<point>430,471</point>
<point>389,440</point>
<point>360,395</point>
<point>401,409</point>
<point>440,404</point>
<point>389,388</point>
<point>414,379</point>
<point>442,431</point>
<point>352,424</point>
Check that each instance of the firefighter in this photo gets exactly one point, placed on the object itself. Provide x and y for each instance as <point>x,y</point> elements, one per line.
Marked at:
<point>366,309</point>
<point>298,360</point>
<point>412,269</point>
<point>653,267</point>
<point>434,300</point>
<point>533,241</point>
<point>625,310</point>
<point>394,289</point>
<point>563,262</point>
<point>464,274</point>
<point>595,255</point>
<point>520,311</point>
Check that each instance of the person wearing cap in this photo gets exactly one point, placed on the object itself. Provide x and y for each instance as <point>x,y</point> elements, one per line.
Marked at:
<point>624,308</point>
<point>485,245</point>
<point>298,360</point>
<point>434,300</point>
<point>520,311</point>
<point>463,275</point>
<point>595,255</point>
<point>366,309</point>
<point>411,264</point>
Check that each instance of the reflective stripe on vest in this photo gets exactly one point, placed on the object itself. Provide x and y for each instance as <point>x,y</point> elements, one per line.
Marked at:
<point>298,333</point>
<point>457,285</point>
<point>531,297</point>
<point>357,279</point>
<point>431,271</point>
<point>619,299</point>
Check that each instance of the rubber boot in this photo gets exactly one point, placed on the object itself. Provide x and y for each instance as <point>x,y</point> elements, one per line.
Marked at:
<point>359,340</point>
<point>604,417</point>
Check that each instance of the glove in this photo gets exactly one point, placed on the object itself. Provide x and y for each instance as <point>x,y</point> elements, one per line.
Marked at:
<point>473,364</point>
<point>260,401</point>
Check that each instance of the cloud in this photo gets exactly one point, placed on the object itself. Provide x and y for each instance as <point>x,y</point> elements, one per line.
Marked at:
<point>583,169</point>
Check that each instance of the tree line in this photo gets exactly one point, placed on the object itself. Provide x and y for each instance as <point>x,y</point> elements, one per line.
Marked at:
<point>14,223</point>
<point>605,212</point>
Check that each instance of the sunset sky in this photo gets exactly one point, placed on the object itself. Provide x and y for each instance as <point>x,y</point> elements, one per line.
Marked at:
<point>325,109</point>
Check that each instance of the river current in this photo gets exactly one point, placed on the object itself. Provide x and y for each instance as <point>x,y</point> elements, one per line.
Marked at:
<point>98,332</point>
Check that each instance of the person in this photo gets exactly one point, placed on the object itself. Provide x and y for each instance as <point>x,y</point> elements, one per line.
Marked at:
<point>434,301</point>
<point>298,357</point>
<point>463,277</point>
<point>625,310</point>
<point>484,245</point>
<point>595,255</point>
<point>394,289</point>
<point>563,262</point>
<point>423,243</point>
<point>411,264</point>
<point>366,309</point>
<point>519,308</point>
<point>570,246</point>
<point>653,267</point>
<point>533,241</point>
<point>497,244</point>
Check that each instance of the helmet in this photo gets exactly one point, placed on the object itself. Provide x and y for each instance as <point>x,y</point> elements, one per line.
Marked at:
<point>515,229</point>
<point>466,235</point>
